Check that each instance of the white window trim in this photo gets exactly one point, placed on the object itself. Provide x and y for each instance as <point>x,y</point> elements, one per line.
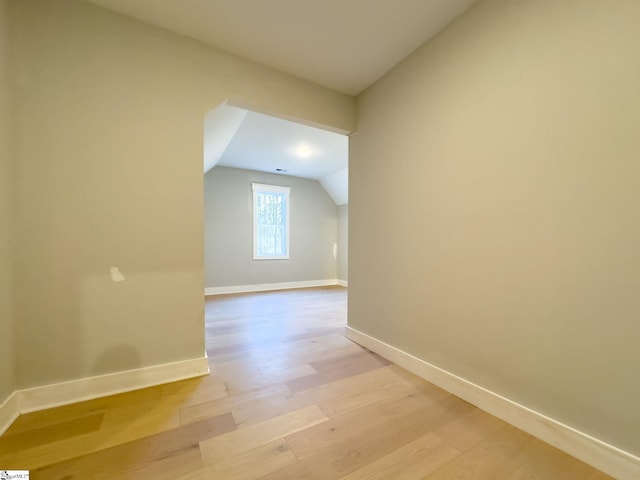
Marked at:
<point>263,188</point>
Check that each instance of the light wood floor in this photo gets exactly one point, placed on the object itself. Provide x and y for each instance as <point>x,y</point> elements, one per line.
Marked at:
<point>288,398</point>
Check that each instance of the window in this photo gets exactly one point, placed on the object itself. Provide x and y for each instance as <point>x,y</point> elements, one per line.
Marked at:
<point>270,222</point>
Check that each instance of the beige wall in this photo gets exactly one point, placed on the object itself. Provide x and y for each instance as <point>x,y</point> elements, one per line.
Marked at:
<point>109,173</point>
<point>343,242</point>
<point>229,230</point>
<point>6,268</point>
<point>496,186</point>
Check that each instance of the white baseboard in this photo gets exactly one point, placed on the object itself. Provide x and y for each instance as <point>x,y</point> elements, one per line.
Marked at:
<point>343,283</point>
<point>264,287</point>
<point>9,411</point>
<point>607,458</point>
<point>57,394</point>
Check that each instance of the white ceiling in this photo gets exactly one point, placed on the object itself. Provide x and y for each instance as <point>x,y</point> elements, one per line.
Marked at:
<point>341,44</point>
<point>238,138</point>
<point>266,143</point>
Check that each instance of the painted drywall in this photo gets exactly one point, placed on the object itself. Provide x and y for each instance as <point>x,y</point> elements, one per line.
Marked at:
<point>503,244</point>
<point>229,230</point>
<point>343,243</point>
<point>6,262</point>
<point>109,173</point>
<point>337,185</point>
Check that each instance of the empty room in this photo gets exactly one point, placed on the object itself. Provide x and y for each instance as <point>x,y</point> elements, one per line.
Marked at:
<point>480,322</point>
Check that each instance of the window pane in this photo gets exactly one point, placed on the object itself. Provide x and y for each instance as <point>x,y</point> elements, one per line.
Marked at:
<point>271,224</point>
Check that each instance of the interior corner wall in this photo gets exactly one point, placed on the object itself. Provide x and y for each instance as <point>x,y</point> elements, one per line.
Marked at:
<point>496,184</point>
<point>229,230</point>
<point>109,163</point>
<point>7,384</point>
<point>343,243</point>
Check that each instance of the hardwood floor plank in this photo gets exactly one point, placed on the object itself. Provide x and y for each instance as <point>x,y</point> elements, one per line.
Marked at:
<point>337,459</point>
<point>349,425</point>
<point>274,341</point>
<point>248,465</point>
<point>362,422</point>
<point>340,404</point>
<point>184,388</point>
<point>259,379</point>
<point>279,404</point>
<point>353,361</point>
<point>136,421</point>
<point>17,440</point>
<point>289,397</point>
<point>164,469</point>
<point>494,458</point>
<point>193,413</point>
<point>138,455</point>
<point>285,356</point>
<point>364,381</point>
<point>217,449</point>
<point>410,462</point>
<point>59,415</point>
<point>468,430</point>
<point>541,461</point>
<point>196,393</point>
<point>596,475</point>
<point>330,370</point>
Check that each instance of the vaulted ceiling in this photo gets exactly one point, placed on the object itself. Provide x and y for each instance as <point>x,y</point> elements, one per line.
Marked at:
<point>345,45</point>
<point>234,137</point>
<point>341,44</point>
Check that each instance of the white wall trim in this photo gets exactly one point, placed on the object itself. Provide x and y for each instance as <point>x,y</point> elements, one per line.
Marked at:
<point>603,456</point>
<point>57,394</point>
<point>264,287</point>
<point>9,411</point>
<point>343,283</point>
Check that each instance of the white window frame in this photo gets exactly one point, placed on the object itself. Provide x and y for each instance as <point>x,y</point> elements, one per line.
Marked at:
<point>262,188</point>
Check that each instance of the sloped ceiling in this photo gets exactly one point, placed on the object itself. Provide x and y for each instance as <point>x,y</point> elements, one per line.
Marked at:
<point>238,138</point>
<point>344,45</point>
<point>220,126</point>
